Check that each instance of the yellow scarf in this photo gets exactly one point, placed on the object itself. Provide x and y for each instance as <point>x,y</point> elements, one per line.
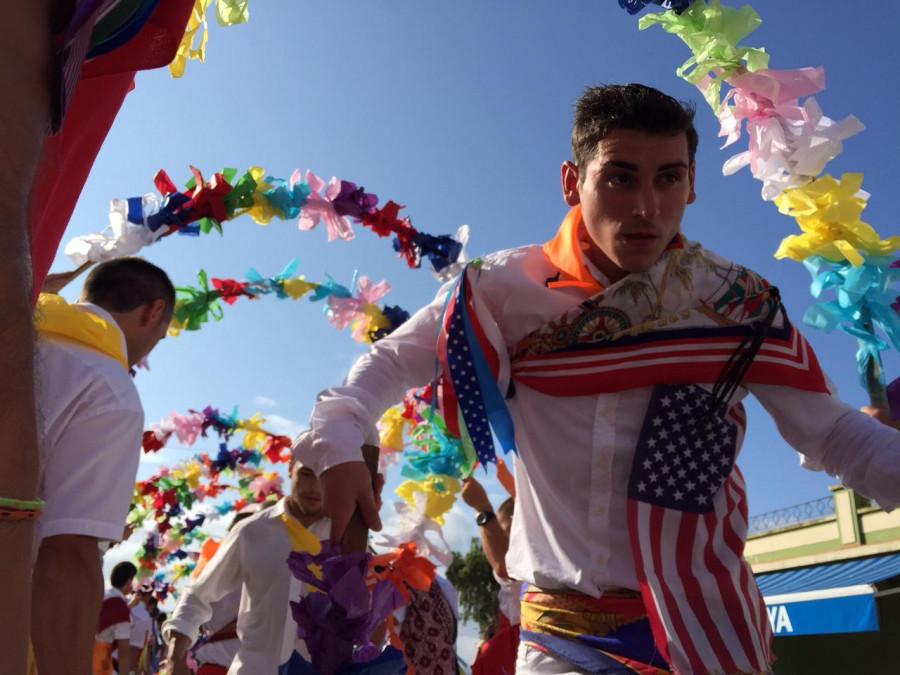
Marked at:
<point>565,252</point>
<point>55,317</point>
<point>301,538</point>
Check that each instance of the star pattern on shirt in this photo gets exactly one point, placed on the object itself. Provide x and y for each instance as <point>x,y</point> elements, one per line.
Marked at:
<point>683,455</point>
<point>465,383</point>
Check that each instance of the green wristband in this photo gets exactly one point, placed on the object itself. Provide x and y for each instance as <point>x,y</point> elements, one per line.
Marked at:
<point>21,504</point>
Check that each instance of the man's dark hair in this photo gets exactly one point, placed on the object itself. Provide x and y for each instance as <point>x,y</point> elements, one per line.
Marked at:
<point>122,573</point>
<point>124,284</point>
<point>602,110</point>
<point>506,509</point>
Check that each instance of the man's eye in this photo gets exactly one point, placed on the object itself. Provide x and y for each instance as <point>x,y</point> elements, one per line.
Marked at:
<point>620,179</point>
<point>669,178</point>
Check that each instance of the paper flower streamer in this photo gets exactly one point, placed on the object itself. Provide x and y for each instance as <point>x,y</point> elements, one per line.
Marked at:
<point>368,322</point>
<point>204,206</point>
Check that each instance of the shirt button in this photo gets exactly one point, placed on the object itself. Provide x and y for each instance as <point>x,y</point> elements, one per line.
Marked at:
<point>599,510</point>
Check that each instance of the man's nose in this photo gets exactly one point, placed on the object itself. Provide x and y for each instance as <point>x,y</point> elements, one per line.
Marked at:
<point>646,202</point>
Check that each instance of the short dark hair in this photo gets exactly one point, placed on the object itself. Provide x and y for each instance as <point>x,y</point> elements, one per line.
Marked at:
<point>122,573</point>
<point>604,109</point>
<point>506,509</point>
<point>124,284</point>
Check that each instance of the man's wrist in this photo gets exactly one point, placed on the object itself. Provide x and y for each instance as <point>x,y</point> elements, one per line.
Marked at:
<point>482,518</point>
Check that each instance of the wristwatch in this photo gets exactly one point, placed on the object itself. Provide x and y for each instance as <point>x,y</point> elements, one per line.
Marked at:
<point>484,517</point>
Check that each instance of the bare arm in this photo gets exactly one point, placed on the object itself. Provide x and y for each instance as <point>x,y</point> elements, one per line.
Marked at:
<point>126,657</point>
<point>26,57</point>
<point>67,590</point>
<point>494,540</point>
<point>177,646</point>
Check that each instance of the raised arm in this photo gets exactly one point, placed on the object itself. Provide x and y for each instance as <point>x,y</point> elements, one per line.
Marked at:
<point>344,417</point>
<point>832,436</point>
<point>494,539</point>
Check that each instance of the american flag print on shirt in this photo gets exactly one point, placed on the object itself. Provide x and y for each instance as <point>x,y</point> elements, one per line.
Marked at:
<point>687,520</point>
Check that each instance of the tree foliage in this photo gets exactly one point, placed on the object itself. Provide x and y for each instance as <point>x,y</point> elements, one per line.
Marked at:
<point>473,578</point>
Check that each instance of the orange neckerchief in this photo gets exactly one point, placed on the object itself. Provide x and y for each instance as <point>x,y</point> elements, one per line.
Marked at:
<point>565,253</point>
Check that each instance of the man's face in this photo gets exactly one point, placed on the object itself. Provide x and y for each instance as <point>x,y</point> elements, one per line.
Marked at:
<point>306,490</point>
<point>151,325</point>
<point>632,194</point>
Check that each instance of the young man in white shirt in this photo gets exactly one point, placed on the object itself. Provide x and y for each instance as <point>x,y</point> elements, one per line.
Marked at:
<point>253,557</point>
<point>605,358</point>
<point>114,625</point>
<point>92,423</point>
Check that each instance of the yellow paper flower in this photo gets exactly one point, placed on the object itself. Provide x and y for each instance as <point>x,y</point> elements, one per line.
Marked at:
<point>255,438</point>
<point>186,49</point>
<point>440,493</point>
<point>192,475</point>
<point>391,428</point>
<point>828,211</point>
<point>298,287</point>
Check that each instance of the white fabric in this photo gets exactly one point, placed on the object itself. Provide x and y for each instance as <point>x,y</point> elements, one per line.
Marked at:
<point>575,452</point>
<point>531,661</point>
<point>92,422</point>
<point>509,598</point>
<point>254,557</point>
<point>118,631</point>
<point>224,611</point>
<point>141,626</point>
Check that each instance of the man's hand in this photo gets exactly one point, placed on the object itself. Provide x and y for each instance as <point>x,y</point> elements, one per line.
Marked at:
<point>346,486</point>
<point>54,283</point>
<point>176,661</point>
<point>473,494</point>
<point>883,415</point>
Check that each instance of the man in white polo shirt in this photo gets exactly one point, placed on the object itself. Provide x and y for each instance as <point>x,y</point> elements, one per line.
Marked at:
<point>92,422</point>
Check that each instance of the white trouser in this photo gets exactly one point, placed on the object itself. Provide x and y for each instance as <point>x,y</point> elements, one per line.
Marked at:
<point>531,661</point>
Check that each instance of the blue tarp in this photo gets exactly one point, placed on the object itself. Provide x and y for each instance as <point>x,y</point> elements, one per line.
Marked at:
<point>833,575</point>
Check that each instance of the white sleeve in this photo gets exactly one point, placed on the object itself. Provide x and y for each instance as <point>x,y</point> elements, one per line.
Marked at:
<point>121,631</point>
<point>140,630</point>
<point>834,437</point>
<point>88,480</point>
<point>221,575</point>
<point>344,416</point>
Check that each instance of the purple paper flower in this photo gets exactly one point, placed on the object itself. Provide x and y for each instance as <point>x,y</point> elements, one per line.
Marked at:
<point>342,614</point>
<point>353,201</point>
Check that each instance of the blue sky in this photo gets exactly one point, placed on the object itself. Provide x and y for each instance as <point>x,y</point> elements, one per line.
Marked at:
<point>461,111</point>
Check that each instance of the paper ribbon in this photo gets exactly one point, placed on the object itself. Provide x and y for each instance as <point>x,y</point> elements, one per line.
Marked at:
<point>712,33</point>
<point>828,211</point>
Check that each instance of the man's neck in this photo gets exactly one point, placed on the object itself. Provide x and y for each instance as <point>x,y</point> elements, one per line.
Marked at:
<point>305,519</point>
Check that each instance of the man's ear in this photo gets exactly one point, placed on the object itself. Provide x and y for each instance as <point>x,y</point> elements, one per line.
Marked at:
<point>569,175</point>
<point>152,311</point>
<point>693,195</point>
